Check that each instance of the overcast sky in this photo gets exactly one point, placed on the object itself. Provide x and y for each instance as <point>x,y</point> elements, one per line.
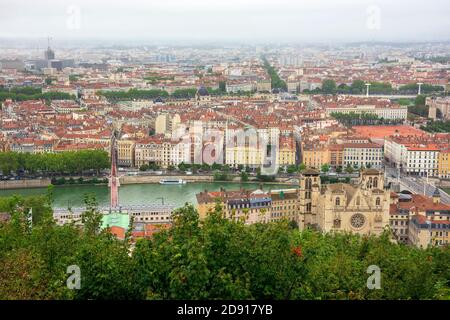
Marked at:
<point>258,20</point>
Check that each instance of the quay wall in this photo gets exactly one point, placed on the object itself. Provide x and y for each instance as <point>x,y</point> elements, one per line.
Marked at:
<point>24,184</point>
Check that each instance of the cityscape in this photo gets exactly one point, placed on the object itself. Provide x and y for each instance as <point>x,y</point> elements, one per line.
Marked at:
<point>183,169</point>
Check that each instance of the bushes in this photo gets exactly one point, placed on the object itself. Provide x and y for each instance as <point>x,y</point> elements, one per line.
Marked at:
<point>147,167</point>
<point>80,180</point>
<point>218,176</point>
<point>212,259</point>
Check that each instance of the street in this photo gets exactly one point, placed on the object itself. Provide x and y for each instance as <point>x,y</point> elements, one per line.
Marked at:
<point>415,184</point>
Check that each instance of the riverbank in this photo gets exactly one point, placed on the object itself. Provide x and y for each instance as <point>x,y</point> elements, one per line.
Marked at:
<point>24,184</point>
<point>127,180</point>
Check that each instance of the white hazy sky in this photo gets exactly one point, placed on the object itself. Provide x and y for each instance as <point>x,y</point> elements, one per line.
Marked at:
<point>258,20</point>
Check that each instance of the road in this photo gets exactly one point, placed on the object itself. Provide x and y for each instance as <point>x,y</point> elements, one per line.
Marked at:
<point>415,184</point>
<point>387,96</point>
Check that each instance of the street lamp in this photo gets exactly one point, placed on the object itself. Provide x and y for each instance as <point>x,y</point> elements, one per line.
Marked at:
<point>420,85</point>
<point>367,90</point>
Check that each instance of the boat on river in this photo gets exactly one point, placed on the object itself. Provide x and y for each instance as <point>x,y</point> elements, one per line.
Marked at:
<point>172,181</point>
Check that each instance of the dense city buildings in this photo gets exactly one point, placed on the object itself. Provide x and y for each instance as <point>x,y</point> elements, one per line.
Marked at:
<point>419,220</point>
<point>342,126</point>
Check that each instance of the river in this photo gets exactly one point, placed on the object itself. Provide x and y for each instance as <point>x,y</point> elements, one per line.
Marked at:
<point>132,194</point>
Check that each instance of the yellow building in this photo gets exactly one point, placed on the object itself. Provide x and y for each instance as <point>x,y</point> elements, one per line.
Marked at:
<point>247,154</point>
<point>284,205</point>
<point>166,123</point>
<point>444,164</point>
<point>286,151</point>
<point>424,232</point>
<point>315,156</point>
<point>125,151</point>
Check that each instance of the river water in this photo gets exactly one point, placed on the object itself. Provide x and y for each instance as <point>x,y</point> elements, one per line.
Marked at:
<point>133,194</point>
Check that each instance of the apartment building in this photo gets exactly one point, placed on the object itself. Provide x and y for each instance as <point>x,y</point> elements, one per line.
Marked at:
<point>245,205</point>
<point>421,160</point>
<point>368,155</point>
<point>418,155</point>
<point>166,123</point>
<point>147,151</point>
<point>399,212</point>
<point>126,151</point>
<point>264,85</point>
<point>236,86</point>
<point>284,205</point>
<point>30,145</point>
<point>444,163</point>
<point>336,155</point>
<point>286,151</point>
<point>392,112</point>
<point>314,156</point>
<point>243,148</point>
<point>419,220</point>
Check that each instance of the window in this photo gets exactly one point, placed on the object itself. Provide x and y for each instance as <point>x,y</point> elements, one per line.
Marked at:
<point>308,207</point>
<point>375,182</point>
<point>369,183</point>
<point>308,184</point>
<point>357,221</point>
<point>338,201</point>
<point>378,201</point>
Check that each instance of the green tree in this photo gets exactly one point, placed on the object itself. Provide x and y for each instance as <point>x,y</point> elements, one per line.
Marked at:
<point>91,217</point>
<point>276,81</point>
<point>184,93</point>
<point>210,258</point>
<point>349,169</point>
<point>329,86</point>
<point>358,87</point>
<point>222,86</point>
<point>301,167</point>
<point>292,169</point>
<point>325,167</point>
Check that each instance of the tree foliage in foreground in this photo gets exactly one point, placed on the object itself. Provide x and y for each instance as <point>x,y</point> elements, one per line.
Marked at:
<point>211,259</point>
